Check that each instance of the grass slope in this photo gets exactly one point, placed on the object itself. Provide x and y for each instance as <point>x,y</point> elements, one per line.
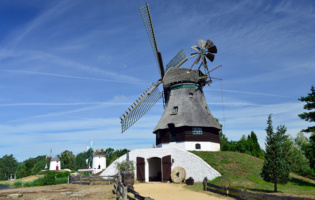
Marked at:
<point>23,180</point>
<point>240,170</point>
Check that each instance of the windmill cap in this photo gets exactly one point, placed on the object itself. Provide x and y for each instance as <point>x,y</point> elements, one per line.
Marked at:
<point>99,154</point>
<point>55,159</point>
<point>180,75</point>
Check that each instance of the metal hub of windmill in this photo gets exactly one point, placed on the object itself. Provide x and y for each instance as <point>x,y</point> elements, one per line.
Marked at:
<point>185,106</point>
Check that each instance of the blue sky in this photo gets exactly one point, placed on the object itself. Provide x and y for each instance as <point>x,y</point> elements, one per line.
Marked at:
<point>69,69</point>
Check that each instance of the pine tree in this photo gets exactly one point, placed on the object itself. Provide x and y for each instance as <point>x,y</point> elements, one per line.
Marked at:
<point>310,105</point>
<point>275,169</point>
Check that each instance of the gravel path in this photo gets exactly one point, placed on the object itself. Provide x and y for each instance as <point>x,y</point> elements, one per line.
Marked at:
<point>158,191</point>
<point>169,191</point>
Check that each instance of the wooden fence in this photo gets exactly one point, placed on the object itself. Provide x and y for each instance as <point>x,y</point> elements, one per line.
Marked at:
<point>122,192</point>
<point>241,194</point>
<point>88,180</point>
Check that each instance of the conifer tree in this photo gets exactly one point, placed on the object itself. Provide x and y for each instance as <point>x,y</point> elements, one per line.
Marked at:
<point>275,169</point>
<point>310,105</point>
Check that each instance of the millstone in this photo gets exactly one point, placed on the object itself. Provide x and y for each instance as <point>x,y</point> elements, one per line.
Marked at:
<point>178,174</point>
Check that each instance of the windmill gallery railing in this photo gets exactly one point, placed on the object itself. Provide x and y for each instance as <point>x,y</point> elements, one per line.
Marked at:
<point>241,194</point>
<point>122,192</point>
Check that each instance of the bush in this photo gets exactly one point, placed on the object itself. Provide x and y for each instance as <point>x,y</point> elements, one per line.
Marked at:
<point>37,182</point>
<point>18,184</point>
<point>62,180</point>
<point>27,184</point>
<point>62,174</point>
<point>49,179</point>
<point>122,166</point>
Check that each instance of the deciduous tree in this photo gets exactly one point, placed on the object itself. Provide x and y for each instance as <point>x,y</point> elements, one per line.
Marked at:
<point>80,160</point>
<point>8,165</point>
<point>67,158</point>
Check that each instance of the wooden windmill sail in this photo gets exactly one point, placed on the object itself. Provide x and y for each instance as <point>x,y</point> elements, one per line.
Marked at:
<point>187,121</point>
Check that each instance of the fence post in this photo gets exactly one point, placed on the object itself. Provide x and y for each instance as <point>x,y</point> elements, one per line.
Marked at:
<point>119,178</point>
<point>68,179</point>
<point>125,193</point>
<point>90,179</point>
<point>205,186</point>
<point>80,180</point>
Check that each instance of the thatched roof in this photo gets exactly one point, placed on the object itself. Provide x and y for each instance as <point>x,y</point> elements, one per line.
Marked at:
<point>179,75</point>
<point>99,154</point>
<point>189,98</point>
<point>55,159</point>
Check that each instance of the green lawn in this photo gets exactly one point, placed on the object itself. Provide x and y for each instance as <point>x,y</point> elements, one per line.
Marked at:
<point>240,170</point>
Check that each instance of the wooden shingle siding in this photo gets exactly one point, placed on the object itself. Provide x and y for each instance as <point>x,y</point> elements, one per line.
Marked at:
<point>185,134</point>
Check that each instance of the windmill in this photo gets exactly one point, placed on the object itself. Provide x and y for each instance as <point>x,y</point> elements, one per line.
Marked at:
<point>186,116</point>
<point>48,158</point>
<point>90,152</point>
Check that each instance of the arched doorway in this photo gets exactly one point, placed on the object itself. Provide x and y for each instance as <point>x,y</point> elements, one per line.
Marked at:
<point>155,173</point>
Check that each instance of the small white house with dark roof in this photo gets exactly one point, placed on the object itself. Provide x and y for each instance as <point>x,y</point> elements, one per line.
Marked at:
<point>55,164</point>
<point>99,161</point>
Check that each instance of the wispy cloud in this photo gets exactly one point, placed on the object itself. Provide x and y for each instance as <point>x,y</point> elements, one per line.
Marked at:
<point>46,15</point>
<point>253,93</point>
<point>64,104</point>
<point>69,76</point>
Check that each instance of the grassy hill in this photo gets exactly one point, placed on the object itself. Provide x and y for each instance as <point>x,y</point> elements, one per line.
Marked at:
<point>23,180</point>
<point>240,170</point>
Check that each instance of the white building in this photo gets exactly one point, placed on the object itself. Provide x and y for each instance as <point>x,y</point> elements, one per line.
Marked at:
<point>55,164</point>
<point>156,164</point>
<point>99,162</point>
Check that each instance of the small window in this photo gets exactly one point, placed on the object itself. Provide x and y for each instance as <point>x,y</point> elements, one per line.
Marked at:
<point>198,146</point>
<point>175,110</point>
<point>197,131</point>
<point>191,95</point>
<point>158,135</point>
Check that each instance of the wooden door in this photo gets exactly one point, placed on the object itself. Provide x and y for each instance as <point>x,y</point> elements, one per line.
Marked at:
<point>57,167</point>
<point>140,169</point>
<point>166,165</point>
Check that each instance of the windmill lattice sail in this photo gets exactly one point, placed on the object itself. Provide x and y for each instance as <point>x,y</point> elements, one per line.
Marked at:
<point>141,106</point>
<point>178,60</point>
<point>145,13</point>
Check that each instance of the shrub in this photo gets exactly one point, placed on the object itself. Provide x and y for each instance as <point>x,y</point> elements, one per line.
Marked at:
<point>38,182</point>
<point>18,184</point>
<point>122,166</point>
<point>62,180</point>
<point>27,184</point>
<point>49,179</point>
<point>62,174</point>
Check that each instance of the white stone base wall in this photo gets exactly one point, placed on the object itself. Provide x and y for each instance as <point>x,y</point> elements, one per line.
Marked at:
<point>194,166</point>
<point>99,161</point>
<point>191,146</point>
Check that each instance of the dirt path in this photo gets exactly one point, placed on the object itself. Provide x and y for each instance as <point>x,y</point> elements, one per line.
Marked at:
<point>93,192</point>
<point>169,191</point>
<point>157,191</point>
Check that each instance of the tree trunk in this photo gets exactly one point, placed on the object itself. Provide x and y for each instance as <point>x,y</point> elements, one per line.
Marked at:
<point>275,187</point>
